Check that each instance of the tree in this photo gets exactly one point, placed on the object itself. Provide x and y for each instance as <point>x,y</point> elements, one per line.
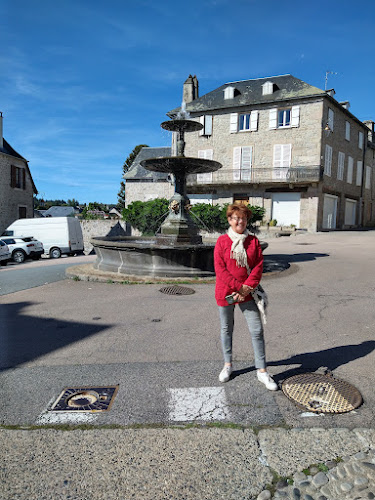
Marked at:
<point>126,166</point>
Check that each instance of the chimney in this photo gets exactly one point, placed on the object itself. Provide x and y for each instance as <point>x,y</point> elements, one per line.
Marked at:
<point>345,104</point>
<point>371,133</point>
<point>331,92</point>
<point>1,130</point>
<point>190,89</point>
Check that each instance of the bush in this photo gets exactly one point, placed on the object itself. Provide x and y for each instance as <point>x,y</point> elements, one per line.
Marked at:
<point>147,216</point>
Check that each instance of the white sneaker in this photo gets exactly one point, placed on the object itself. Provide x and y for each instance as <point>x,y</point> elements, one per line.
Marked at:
<point>225,373</point>
<point>267,380</point>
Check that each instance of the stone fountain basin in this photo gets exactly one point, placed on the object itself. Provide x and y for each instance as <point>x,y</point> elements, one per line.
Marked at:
<point>142,256</point>
<point>180,164</point>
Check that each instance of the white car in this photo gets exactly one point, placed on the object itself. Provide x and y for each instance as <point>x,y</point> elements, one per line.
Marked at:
<point>5,255</point>
<point>23,248</point>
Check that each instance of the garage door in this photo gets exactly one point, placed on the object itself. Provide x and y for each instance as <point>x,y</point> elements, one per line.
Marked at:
<point>329,211</point>
<point>350,210</point>
<point>286,208</point>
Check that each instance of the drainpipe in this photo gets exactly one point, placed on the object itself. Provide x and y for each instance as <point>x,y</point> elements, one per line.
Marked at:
<point>361,200</point>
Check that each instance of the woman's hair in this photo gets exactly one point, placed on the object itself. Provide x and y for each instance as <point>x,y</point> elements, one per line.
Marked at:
<point>239,209</point>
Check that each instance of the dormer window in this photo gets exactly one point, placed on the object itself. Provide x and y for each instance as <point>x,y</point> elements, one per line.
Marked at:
<point>229,92</point>
<point>267,88</point>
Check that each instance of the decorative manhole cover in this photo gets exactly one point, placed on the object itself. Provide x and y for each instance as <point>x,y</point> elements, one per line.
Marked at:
<point>322,393</point>
<point>177,290</point>
<point>85,399</point>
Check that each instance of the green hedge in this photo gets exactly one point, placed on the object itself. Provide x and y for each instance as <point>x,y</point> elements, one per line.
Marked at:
<point>147,216</point>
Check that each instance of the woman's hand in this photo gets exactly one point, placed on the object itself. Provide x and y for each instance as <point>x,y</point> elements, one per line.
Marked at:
<point>245,290</point>
<point>238,297</point>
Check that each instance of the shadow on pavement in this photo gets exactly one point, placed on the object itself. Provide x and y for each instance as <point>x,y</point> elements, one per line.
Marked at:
<point>24,338</point>
<point>311,361</point>
<point>281,262</point>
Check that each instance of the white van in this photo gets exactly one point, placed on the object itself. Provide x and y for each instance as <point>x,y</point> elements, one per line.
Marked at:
<point>58,234</point>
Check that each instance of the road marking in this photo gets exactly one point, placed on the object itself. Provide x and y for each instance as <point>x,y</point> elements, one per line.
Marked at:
<point>198,403</point>
<point>65,417</point>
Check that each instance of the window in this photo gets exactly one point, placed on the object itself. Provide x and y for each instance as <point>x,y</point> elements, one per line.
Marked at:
<point>22,212</point>
<point>347,131</point>
<point>359,173</point>
<point>242,162</point>
<point>207,154</point>
<point>328,160</point>
<point>206,121</point>
<point>331,117</point>
<point>247,122</point>
<point>267,88</point>
<point>284,118</point>
<point>349,178</point>
<point>229,93</point>
<point>18,177</point>
<point>360,140</point>
<point>368,177</point>
<point>340,170</point>
<point>282,155</point>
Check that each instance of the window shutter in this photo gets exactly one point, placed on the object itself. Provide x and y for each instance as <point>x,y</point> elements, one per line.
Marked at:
<point>236,163</point>
<point>359,173</point>
<point>295,116</point>
<point>328,160</point>
<point>233,123</point>
<point>347,131</point>
<point>246,161</point>
<point>277,155</point>
<point>12,176</point>
<point>273,118</point>
<point>349,178</point>
<point>368,177</point>
<point>201,120</point>
<point>23,178</point>
<point>340,170</point>
<point>360,140</point>
<point>254,120</point>
<point>208,155</point>
<point>208,125</point>
<point>331,116</point>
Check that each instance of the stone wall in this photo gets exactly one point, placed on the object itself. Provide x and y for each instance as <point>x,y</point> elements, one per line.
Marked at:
<point>144,191</point>
<point>99,227</point>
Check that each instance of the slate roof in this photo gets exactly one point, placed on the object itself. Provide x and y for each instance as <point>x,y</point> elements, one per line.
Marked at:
<point>8,150</point>
<point>57,211</point>
<point>249,93</point>
<point>137,172</point>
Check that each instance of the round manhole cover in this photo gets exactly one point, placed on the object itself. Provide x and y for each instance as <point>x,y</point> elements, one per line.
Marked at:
<point>320,393</point>
<point>177,290</point>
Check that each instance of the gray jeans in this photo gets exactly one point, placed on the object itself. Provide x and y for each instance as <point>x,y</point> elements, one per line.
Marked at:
<point>252,316</point>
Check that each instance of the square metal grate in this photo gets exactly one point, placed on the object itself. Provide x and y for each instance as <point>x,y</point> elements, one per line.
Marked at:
<point>85,399</point>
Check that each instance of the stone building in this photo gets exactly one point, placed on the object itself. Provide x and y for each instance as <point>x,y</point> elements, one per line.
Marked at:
<point>16,184</point>
<point>287,146</point>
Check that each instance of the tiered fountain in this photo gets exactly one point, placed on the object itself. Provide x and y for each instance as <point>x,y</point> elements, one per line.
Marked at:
<point>177,251</point>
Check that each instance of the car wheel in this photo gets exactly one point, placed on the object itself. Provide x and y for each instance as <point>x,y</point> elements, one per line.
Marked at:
<point>19,256</point>
<point>55,253</point>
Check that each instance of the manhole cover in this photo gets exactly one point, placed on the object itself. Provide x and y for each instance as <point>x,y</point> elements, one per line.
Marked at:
<point>85,399</point>
<point>177,290</point>
<point>321,393</point>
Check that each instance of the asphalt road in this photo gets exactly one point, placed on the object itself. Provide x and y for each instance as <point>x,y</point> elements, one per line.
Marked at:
<point>15,277</point>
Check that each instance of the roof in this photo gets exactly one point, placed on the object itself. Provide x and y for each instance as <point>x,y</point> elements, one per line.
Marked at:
<point>8,150</point>
<point>137,172</point>
<point>57,211</point>
<point>249,93</point>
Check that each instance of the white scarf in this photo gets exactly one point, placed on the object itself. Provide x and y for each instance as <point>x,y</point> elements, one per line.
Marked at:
<point>237,251</point>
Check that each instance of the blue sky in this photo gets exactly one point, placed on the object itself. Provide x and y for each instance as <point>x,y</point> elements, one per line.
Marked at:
<point>83,82</point>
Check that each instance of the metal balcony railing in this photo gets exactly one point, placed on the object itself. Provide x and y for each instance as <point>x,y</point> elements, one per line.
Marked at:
<point>258,176</point>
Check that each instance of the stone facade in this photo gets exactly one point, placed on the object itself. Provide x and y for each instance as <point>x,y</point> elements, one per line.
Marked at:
<point>98,227</point>
<point>328,198</point>
<point>144,191</point>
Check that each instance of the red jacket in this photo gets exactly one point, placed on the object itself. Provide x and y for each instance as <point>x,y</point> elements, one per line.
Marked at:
<point>230,277</point>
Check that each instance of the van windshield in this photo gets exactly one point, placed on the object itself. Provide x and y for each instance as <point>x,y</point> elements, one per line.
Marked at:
<point>8,233</point>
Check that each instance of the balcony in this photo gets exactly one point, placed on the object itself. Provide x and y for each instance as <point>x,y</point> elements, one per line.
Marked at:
<point>292,175</point>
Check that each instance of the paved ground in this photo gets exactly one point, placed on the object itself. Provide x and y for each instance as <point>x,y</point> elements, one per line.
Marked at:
<point>164,353</point>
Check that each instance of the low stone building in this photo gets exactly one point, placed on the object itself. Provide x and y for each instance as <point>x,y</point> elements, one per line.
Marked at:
<point>287,146</point>
<point>17,187</point>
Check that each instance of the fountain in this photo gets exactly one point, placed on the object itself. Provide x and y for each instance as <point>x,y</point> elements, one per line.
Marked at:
<point>178,250</point>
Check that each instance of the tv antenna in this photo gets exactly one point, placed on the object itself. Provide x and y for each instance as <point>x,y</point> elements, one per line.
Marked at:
<point>326,77</point>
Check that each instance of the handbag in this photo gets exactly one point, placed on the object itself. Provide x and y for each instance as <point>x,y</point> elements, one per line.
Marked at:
<point>261,300</point>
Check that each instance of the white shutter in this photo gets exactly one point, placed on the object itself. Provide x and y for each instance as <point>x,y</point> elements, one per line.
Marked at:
<point>328,160</point>
<point>368,177</point>
<point>233,123</point>
<point>360,140</point>
<point>277,155</point>
<point>201,120</point>
<point>208,155</point>
<point>208,125</point>
<point>286,155</point>
<point>295,116</point>
<point>246,161</point>
<point>359,173</point>
<point>340,170</point>
<point>254,120</point>
<point>349,178</point>
<point>331,116</point>
<point>273,118</point>
<point>236,163</point>
<point>347,131</point>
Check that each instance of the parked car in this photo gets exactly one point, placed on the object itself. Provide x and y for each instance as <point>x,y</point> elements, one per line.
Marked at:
<point>5,255</point>
<point>22,248</point>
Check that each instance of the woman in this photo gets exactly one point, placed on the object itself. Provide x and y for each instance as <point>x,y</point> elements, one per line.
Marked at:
<point>238,266</point>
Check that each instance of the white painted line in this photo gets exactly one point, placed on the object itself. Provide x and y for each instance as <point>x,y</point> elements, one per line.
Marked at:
<point>198,403</point>
<point>65,417</point>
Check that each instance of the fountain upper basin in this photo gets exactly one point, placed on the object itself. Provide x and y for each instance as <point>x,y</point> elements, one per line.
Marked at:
<point>180,164</point>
